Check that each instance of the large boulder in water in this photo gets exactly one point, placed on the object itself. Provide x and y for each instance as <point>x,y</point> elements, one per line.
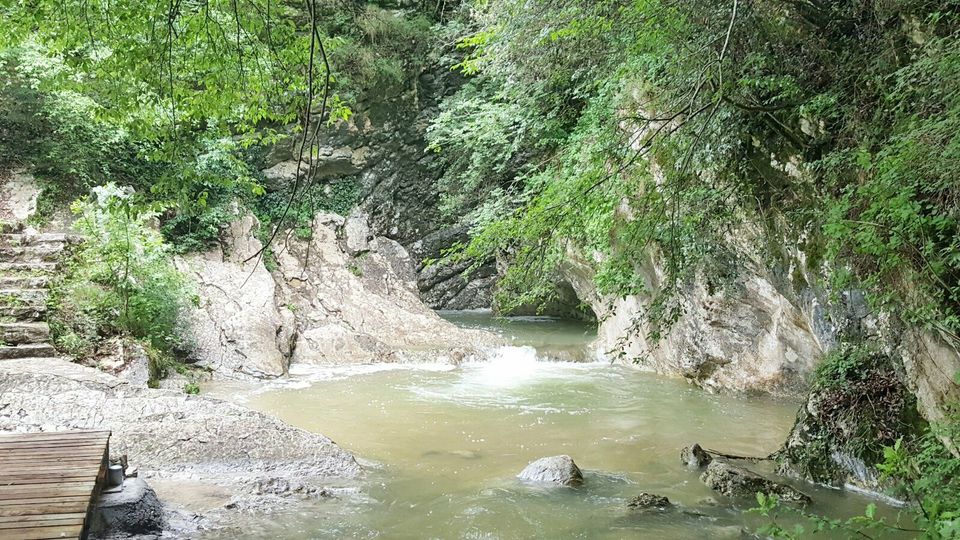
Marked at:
<point>552,470</point>
<point>734,481</point>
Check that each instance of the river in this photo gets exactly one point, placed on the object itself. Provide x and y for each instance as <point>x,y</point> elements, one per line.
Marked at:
<point>443,444</point>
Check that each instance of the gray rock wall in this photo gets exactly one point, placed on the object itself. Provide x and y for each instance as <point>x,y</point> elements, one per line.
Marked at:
<point>383,147</point>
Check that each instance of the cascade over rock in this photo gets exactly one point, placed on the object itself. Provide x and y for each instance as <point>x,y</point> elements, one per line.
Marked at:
<point>343,296</point>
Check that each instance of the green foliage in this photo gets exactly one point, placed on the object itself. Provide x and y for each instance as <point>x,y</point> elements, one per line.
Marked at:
<point>170,98</point>
<point>928,472</point>
<point>191,388</point>
<point>857,407</point>
<point>120,280</point>
<point>337,197</point>
<point>841,117</point>
<point>868,525</point>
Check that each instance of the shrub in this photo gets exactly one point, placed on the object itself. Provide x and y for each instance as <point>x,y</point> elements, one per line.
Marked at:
<point>120,280</point>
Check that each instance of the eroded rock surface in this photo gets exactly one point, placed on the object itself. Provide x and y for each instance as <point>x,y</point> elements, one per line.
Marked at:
<point>133,510</point>
<point>649,501</point>
<point>733,481</point>
<point>355,300</point>
<point>559,470</point>
<point>237,330</point>
<point>751,333</point>
<point>18,197</point>
<point>695,457</point>
<point>164,432</point>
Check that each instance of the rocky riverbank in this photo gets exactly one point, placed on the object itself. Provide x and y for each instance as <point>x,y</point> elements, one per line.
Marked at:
<point>186,445</point>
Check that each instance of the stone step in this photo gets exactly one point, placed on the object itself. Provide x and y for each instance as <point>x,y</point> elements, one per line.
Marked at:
<point>45,252</point>
<point>22,313</point>
<point>20,239</point>
<point>23,297</point>
<point>24,282</point>
<point>27,268</point>
<point>21,333</point>
<point>34,350</point>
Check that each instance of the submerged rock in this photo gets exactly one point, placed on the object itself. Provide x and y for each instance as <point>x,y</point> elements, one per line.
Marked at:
<point>646,501</point>
<point>734,481</point>
<point>695,457</point>
<point>133,510</point>
<point>552,470</point>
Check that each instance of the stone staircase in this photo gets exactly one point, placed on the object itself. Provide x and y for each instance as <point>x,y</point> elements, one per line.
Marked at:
<point>27,262</point>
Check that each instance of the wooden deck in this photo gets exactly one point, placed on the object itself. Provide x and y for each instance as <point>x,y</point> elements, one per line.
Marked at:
<point>50,481</point>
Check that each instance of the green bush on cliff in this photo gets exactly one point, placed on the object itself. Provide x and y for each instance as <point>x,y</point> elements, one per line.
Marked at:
<point>120,280</point>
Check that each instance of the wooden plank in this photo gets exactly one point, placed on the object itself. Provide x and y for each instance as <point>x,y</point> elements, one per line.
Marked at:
<point>53,454</point>
<point>55,436</point>
<point>49,485</point>
<point>47,492</point>
<point>40,500</point>
<point>54,468</point>
<point>40,445</point>
<point>40,509</point>
<point>43,533</point>
<point>47,517</point>
<point>49,481</point>
<point>42,521</point>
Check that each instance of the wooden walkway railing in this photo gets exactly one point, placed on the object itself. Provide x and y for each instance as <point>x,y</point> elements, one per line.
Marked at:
<point>49,482</point>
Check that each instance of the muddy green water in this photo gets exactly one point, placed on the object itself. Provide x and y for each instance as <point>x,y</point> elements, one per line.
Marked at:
<point>443,444</point>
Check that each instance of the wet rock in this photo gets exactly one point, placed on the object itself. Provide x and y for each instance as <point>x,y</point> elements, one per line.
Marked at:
<point>695,457</point>
<point>286,486</point>
<point>552,470</point>
<point>134,510</point>
<point>734,481</point>
<point>646,501</point>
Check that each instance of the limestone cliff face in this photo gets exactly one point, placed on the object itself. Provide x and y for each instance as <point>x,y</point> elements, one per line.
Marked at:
<point>237,328</point>
<point>754,333</point>
<point>355,299</point>
<point>343,296</point>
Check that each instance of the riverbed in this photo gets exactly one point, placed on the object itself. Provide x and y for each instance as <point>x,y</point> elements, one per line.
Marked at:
<point>444,443</point>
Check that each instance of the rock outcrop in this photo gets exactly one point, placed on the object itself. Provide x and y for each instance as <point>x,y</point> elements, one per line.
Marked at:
<point>694,457</point>
<point>560,470</point>
<point>237,329</point>
<point>649,501</point>
<point>383,149</point>
<point>355,299</point>
<point>18,197</point>
<point>758,331</point>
